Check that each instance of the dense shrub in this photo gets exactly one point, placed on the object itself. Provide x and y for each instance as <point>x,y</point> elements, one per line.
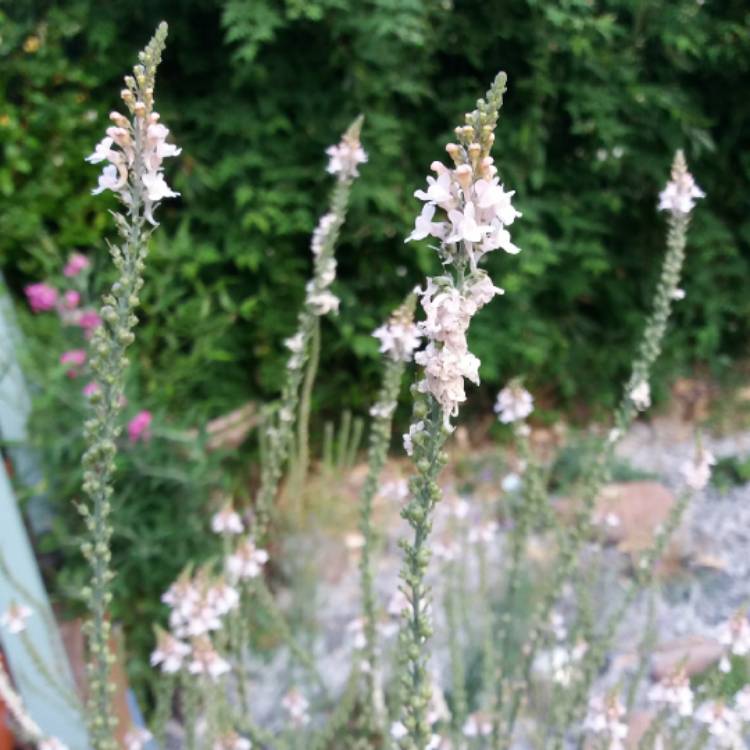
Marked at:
<point>254,90</point>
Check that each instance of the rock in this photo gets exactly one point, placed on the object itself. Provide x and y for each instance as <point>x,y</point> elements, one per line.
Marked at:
<point>694,653</point>
<point>630,513</point>
<point>638,724</point>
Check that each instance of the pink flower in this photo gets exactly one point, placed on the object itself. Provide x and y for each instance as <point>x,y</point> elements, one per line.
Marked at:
<point>90,389</point>
<point>139,427</point>
<point>71,299</point>
<point>42,297</point>
<point>88,320</point>
<point>75,357</point>
<point>76,263</point>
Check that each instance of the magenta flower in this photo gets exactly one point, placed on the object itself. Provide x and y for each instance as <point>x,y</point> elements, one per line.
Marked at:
<point>74,357</point>
<point>90,389</point>
<point>71,299</point>
<point>76,263</point>
<point>42,297</point>
<point>88,320</point>
<point>139,427</point>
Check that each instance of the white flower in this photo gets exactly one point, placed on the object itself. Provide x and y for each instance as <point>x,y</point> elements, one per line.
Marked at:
<point>247,561</point>
<point>678,294</point>
<point>484,533</point>
<point>344,158</point>
<point>323,302</point>
<point>723,724</point>
<point>465,226</point>
<point>321,232</point>
<point>742,703</point>
<point>137,738</point>
<point>398,730</point>
<point>222,598</point>
<point>697,472</point>
<point>680,193</point>
<point>605,718</point>
<point>442,191</point>
<point>514,403</point>
<point>102,152</point>
<point>14,618</point>
<point>435,741</point>
<point>170,653</point>
<point>398,339</point>
<point>206,660</point>
<point>156,187</point>
<point>52,743</point>
<point>477,725</point>
<point>295,343</point>
<point>675,691</point>
<point>296,705</point>
<point>424,226</point>
<point>735,634</point>
<point>382,411</point>
<point>511,483</point>
<point>227,521</point>
<point>109,179</point>
<point>356,628</point>
<point>640,395</point>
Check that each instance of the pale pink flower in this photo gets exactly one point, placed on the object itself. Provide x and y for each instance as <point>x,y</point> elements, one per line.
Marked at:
<point>605,718</point>
<point>247,561</point>
<point>697,472</point>
<point>723,724</point>
<point>321,233</point>
<point>514,403</point>
<point>344,157</point>
<point>41,297</point>
<point>742,703</point>
<point>77,262</point>
<point>156,187</point>
<point>14,618</point>
<point>398,339</point>
<point>232,741</point>
<point>139,427</point>
<point>674,690</point>
<point>296,706</point>
<point>74,357</point>
<point>170,653</point>
<point>680,194</point>
<point>206,660</point>
<point>424,226</point>
<point>136,738</point>
<point>323,302</point>
<point>414,430</point>
<point>735,634</point>
<point>227,521</point>
<point>111,179</point>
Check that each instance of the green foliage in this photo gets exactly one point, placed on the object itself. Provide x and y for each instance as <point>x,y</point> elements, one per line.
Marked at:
<point>254,90</point>
<point>730,472</point>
